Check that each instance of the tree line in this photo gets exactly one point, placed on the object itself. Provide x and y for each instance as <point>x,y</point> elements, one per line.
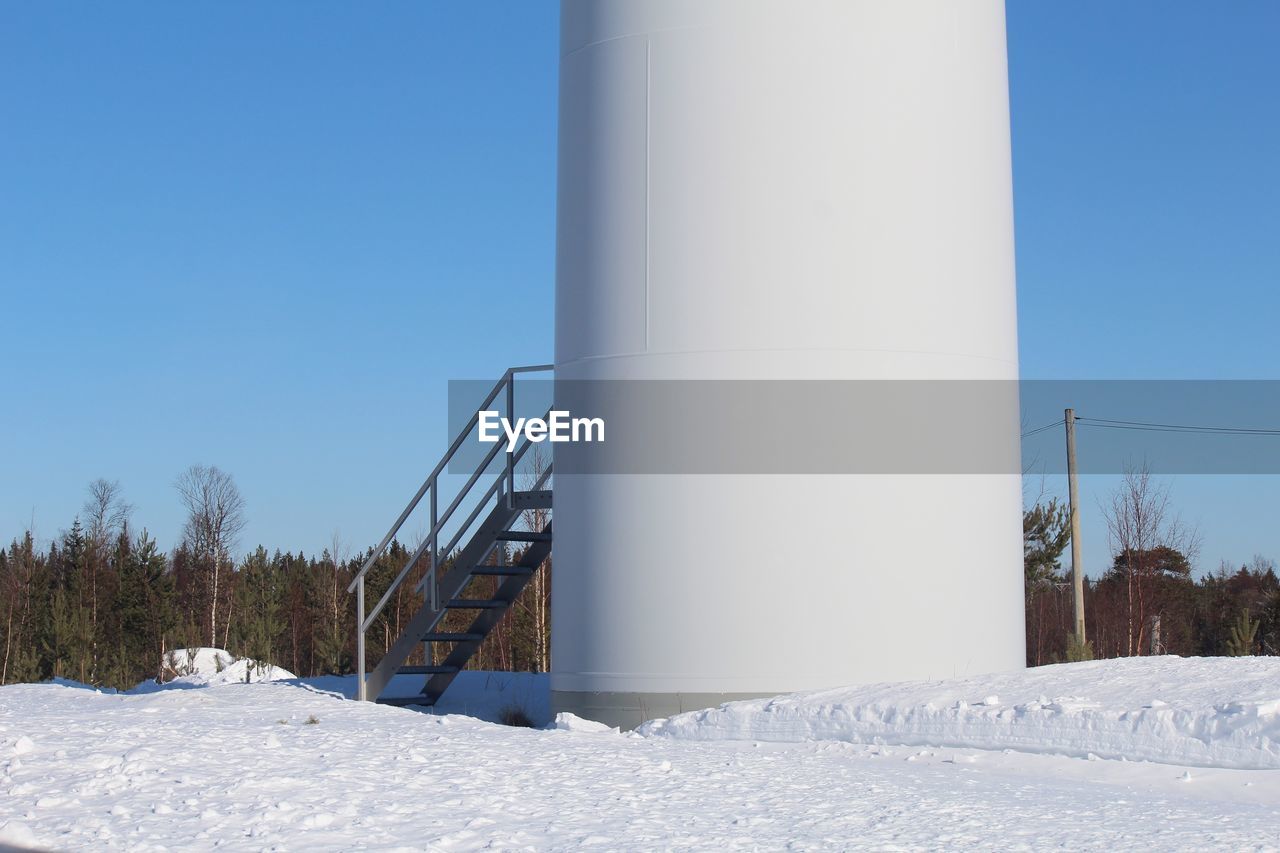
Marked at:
<point>1148,600</point>
<point>103,605</point>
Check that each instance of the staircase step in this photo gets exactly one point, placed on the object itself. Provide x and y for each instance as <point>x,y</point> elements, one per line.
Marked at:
<point>420,699</point>
<point>532,500</point>
<point>476,604</point>
<point>523,536</point>
<point>504,571</point>
<point>418,669</point>
<point>448,637</point>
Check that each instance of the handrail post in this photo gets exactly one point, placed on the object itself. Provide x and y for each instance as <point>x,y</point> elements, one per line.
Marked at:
<point>433,595</point>
<point>361,689</point>
<point>511,418</point>
<point>440,466</point>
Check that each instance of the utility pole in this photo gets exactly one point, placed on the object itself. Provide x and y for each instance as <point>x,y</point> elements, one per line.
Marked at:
<point>1077,562</point>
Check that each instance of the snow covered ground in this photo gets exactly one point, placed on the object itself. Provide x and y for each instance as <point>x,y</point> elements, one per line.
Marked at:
<point>293,765</point>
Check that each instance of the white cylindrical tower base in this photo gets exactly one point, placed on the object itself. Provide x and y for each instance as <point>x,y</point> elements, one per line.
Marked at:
<point>753,189</point>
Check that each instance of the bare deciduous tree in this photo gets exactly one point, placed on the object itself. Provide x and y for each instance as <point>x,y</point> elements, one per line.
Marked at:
<point>335,598</point>
<point>1141,525</point>
<point>106,513</point>
<point>215,517</point>
<point>107,517</point>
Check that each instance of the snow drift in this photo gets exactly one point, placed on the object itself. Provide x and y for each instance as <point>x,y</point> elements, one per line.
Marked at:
<point>1212,712</point>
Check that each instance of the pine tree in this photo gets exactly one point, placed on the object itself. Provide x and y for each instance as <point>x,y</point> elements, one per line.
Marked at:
<point>145,608</point>
<point>330,616</point>
<point>27,595</point>
<point>257,605</point>
<point>1078,651</point>
<point>1046,532</point>
<point>1243,634</point>
<point>68,638</point>
<point>59,643</point>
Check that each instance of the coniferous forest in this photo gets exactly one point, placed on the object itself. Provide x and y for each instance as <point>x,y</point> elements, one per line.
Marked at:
<point>102,603</point>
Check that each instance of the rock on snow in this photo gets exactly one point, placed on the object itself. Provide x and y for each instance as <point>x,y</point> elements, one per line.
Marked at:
<point>201,667</point>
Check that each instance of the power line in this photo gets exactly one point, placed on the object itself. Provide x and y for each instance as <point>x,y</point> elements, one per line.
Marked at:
<point>1030,433</point>
<point>1181,431</point>
<point>1149,426</point>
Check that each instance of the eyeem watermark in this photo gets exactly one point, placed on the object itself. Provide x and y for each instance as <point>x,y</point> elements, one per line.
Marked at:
<point>558,426</point>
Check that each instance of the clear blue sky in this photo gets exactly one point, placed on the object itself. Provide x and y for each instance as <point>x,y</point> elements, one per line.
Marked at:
<point>263,236</point>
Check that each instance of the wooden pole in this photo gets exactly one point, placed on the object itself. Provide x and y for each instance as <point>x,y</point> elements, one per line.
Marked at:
<point>1077,561</point>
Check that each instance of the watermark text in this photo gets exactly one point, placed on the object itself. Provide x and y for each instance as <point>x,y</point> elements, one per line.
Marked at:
<point>559,425</point>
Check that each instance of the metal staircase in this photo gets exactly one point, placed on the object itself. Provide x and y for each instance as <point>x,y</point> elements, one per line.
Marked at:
<point>449,573</point>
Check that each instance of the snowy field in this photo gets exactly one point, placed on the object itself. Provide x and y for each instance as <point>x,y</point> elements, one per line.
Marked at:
<point>1138,754</point>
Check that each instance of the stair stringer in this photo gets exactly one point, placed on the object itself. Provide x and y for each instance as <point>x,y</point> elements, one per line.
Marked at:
<point>450,585</point>
<point>507,591</point>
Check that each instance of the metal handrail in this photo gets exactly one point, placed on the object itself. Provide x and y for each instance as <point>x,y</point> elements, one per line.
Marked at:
<point>438,521</point>
<point>430,482</point>
<point>439,526</point>
<point>430,538</point>
<point>493,490</point>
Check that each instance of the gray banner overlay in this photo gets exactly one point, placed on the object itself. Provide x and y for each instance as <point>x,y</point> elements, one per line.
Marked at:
<point>894,427</point>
